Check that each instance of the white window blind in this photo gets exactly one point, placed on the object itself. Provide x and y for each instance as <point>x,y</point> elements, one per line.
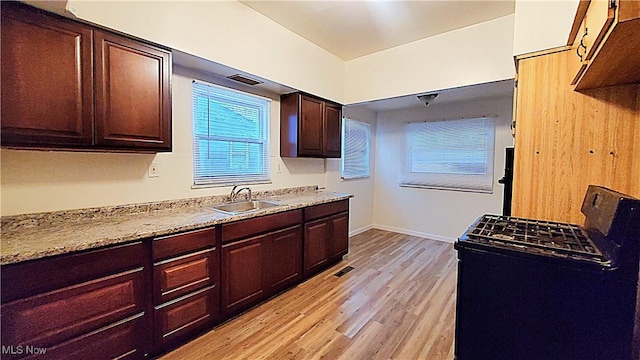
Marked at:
<point>452,155</point>
<point>356,140</point>
<point>230,136</point>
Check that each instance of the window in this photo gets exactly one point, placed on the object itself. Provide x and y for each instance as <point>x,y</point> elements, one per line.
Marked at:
<point>452,155</point>
<point>230,136</point>
<point>356,139</point>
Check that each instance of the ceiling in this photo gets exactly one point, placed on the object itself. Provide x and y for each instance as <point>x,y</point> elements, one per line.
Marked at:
<point>447,96</point>
<point>351,29</point>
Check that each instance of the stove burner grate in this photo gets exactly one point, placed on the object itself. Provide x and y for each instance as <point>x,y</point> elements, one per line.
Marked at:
<point>553,238</point>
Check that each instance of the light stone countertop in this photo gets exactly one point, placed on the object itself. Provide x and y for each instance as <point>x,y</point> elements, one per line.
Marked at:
<point>66,233</point>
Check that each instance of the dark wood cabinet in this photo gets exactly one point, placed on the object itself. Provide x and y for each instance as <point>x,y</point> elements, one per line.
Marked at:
<point>260,259</point>
<point>259,267</point>
<point>326,235</point>
<point>243,271</point>
<point>68,85</point>
<point>309,126</point>
<point>184,317</point>
<point>284,260</point>
<point>140,299</point>
<point>105,314</point>
<point>338,244</point>
<point>315,244</point>
<point>47,79</point>
<point>186,291</point>
<point>133,103</point>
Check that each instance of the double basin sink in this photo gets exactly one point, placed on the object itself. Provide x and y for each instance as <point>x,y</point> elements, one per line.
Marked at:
<point>242,207</point>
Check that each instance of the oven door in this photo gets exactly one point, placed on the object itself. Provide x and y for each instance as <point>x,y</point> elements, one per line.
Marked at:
<point>510,307</point>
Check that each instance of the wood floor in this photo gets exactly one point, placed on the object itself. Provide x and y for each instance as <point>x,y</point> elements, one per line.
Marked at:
<point>398,303</point>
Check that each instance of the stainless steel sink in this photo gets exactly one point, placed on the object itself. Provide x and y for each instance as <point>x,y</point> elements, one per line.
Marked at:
<point>244,207</point>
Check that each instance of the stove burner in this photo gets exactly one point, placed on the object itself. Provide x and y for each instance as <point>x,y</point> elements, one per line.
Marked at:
<point>537,236</point>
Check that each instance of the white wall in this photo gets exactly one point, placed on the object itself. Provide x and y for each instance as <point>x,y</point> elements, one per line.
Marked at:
<point>40,181</point>
<point>473,55</point>
<point>438,214</point>
<point>541,25</point>
<point>361,215</point>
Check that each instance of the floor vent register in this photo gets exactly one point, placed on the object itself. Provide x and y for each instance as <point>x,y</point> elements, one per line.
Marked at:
<point>344,271</point>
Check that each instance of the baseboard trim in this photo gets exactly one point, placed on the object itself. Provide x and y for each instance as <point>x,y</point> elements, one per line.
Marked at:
<point>414,233</point>
<point>360,230</point>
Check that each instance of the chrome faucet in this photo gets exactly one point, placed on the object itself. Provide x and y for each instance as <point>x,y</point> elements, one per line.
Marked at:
<point>234,193</point>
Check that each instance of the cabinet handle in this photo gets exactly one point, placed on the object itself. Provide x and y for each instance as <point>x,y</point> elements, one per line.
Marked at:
<point>582,45</point>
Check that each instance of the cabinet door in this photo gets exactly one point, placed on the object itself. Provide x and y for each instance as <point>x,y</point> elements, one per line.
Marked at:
<point>47,83</point>
<point>339,236</point>
<point>133,101</point>
<point>242,274</point>
<point>332,130</point>
<point>284,262</point>
<point>315,245</point>
<point>311,118</point>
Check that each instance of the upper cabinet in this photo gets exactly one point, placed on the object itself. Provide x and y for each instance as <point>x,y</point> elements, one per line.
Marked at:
<point>133,94</point>
<point>605,39</point>
<point>309,127</point>
<point>68,85</point>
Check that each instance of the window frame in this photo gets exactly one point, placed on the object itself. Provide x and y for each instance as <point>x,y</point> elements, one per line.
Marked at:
<point>230,96</point>
<point>344,156</point>
<point>449,172</point>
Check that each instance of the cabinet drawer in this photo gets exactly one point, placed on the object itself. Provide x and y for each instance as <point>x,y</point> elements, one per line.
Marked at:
<point>121,340</point>
<point>185,315</point>
<point>38,276</point>
<point>176,277</point>
<point>53,317</point>
<point>322,210</point>
<point>259,225</point>
<point>184,243</point>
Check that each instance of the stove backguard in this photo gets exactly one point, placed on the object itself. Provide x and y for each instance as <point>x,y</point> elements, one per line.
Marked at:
<point>613,214</point>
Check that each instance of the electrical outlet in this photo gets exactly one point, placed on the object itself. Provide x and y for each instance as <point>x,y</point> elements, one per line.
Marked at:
<point>279,168</point>
<point>153,170</point>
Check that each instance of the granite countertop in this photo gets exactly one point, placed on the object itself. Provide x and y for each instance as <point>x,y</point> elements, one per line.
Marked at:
<point>36,236</point>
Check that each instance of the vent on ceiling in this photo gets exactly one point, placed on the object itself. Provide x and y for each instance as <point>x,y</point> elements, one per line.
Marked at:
<point>243,79</point>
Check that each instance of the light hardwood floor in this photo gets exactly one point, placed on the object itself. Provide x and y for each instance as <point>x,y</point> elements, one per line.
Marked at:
<point>398,303</point>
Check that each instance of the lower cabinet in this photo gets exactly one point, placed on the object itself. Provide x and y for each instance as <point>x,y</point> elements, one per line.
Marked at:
<point>326,235</point>
<point>177,319</point>
<point>78,318</point>
<point>186,289</point>
<point>258,267</point>
<point>140,299</point>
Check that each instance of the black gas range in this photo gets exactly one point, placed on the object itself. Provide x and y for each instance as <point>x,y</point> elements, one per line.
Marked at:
<point>534,289</point>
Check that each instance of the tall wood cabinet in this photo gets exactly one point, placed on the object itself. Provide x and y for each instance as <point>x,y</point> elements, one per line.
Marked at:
<point>69,85</point>
<point>309,126</point>
<point>566,140</point>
